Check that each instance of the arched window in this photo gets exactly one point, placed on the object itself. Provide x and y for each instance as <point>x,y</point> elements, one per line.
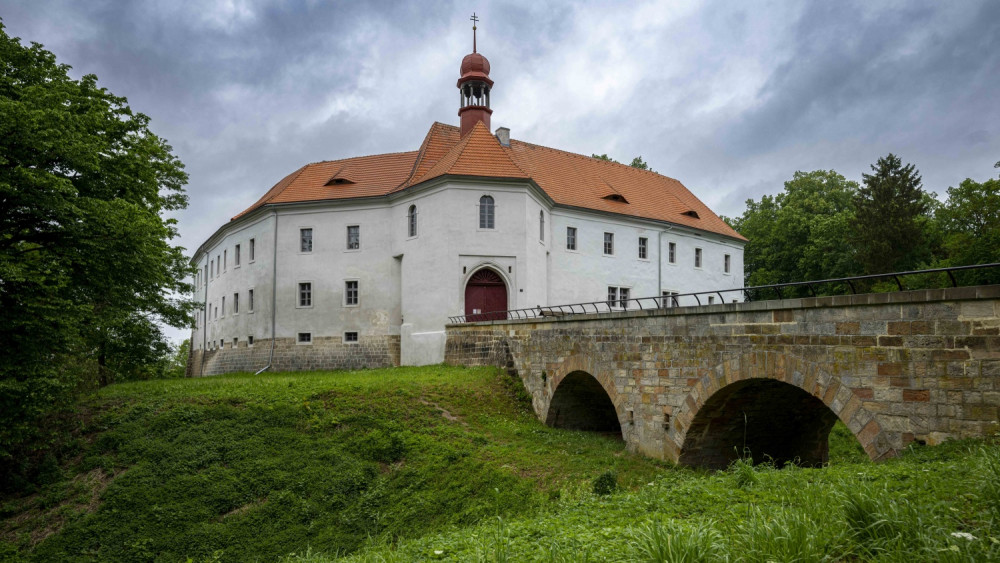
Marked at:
<point>541,225</point>
<point>486,209</point>
<point>411,221</point>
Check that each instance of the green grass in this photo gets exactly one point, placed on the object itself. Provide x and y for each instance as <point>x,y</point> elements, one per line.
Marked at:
<point>443,463</point>
<point>244,468</point>
<point>933,504</point>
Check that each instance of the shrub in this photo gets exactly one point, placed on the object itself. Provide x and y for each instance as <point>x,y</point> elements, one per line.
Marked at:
<point>606,483</point>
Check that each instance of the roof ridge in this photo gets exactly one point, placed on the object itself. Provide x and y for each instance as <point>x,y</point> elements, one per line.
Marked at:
<point>578,155</point>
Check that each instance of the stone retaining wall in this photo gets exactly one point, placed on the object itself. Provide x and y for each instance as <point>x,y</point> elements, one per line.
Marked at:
<point>324,353</point>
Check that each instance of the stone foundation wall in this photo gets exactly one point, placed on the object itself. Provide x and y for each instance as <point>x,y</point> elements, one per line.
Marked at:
<point>324,353</point>
<point>895,367</point>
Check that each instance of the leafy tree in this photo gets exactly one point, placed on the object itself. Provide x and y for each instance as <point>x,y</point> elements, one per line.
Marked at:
<point>892,219</point>
<point>970,221</point>
<point>802,233</point>
<point>637,162</point>
<point>86,264</point>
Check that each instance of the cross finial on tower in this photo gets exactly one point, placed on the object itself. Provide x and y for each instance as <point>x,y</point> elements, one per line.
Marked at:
<point>474,20</point>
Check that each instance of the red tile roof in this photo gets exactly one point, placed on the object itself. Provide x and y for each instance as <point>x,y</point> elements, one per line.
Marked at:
<point>569,179</point>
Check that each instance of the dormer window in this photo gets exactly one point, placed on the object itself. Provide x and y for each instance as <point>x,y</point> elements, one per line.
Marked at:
<point>691,213</point>
<point>338,181</point>
<point>616,197</point>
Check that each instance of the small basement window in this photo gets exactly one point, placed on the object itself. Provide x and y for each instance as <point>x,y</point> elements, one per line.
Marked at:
<point>236,342</point>
<point>351,337</point>
<point>305,338</point>
<point>249,341</point>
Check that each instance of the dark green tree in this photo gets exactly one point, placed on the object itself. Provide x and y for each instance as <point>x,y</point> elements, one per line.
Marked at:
<point>970,223</point>
<point>86,264</point>
<point>802,233</point>
<point>892,228</point>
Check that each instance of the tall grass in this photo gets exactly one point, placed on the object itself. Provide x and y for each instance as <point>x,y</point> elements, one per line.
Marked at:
<point>669,541</point>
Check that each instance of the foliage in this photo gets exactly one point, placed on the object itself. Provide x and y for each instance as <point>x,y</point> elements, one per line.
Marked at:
<point>970,221</point>
<point>637,162</point>
<point>86,264</point>
<point>892,216</point>
<point>802,233</point>
<point>605,483</point>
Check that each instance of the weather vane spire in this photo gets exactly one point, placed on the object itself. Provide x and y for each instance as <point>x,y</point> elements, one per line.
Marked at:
<point>474,20</point>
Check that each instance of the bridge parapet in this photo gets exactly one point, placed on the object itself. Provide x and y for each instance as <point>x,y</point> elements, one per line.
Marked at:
<point>700,384</point>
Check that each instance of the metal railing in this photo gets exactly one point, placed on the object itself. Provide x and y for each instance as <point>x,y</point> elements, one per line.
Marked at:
<point>667,301</point>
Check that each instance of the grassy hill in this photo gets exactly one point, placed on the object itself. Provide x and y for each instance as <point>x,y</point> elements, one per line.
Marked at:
<point>244,468</point>
<point>444,463</point>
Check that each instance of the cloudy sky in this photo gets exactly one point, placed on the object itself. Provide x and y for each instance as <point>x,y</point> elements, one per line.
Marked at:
<point>731,98</point>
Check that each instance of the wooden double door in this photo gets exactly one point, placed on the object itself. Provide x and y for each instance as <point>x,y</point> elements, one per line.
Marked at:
<point>485,296</point>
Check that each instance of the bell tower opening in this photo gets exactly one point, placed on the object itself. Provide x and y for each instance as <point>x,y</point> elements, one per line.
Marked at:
<point>474,87</point>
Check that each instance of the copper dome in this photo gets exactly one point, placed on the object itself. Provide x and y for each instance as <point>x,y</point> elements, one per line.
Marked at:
<point>474,62</point>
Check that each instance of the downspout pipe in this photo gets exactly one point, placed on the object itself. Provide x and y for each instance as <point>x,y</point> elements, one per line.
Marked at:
<point>274,293</point>
<point>659,261</point>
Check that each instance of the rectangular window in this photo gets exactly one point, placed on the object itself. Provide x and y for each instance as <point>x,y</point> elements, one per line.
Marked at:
<point>672,252</point>
<point>643,248</point>
<point>212,265</point>
<point>726,264</point>
<point>223,306</point>
<point>711,299</point>
<point>218,265</point>
<point>351,337</point>
<point>305,338</point>
<point>618,296</point>
<point>236,303</point>
<point>216,312</point>
<point>570,238</point>
<point>236,256</point>
<point>305,294</point>
<point>353,237</point>
<point>225,260</point>
<point>669,299</point>
<point>236,342</point>
<point>250,341</point>
<point>351,292</point>
<point>305,240</point>
<point>250,301</point>
<point>253,249</point>
<point>541,225</point>
<point>697,258</point>
<point>205,277</point>
<point>609,243</point>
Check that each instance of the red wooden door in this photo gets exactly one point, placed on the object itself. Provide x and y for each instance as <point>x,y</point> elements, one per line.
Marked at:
<point>485,296</point>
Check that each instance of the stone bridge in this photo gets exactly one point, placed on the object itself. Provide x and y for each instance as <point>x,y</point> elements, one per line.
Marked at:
<point>700,385</point>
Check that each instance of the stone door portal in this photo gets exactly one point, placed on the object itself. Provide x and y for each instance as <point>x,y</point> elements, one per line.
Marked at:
<point>485,296</point>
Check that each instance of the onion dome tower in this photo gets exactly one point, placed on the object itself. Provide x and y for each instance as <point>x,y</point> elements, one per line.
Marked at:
<point>474,86</point>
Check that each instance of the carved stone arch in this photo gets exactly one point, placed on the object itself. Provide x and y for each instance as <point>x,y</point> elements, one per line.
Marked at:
<point>764,376</point>
<point>578,379</point>
<point>491,270</point>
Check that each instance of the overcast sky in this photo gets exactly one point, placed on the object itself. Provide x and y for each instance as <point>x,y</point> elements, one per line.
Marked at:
<point>731,98</point>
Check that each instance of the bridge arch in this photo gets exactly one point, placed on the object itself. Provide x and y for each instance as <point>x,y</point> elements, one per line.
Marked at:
<point>580,401</point>
<point>775,405</point>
